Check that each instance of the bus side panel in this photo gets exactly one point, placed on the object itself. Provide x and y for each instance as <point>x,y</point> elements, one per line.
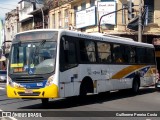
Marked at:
<point>118,79</point>
<point>68,81</point>
<point>148,78</point>
<point>99,74</point>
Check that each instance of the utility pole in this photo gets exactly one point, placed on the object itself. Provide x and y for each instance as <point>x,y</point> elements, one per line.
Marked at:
<point>140,22</point>
<point>42,16</point>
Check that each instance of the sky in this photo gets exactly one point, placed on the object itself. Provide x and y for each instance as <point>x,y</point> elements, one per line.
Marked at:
<point>7,6</point>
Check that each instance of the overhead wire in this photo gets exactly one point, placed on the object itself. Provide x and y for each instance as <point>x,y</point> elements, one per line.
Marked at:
<point>8,4</point>
<point>5,8</point>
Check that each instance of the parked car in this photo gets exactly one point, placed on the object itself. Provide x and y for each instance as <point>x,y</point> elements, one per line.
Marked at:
<point>157,85</point>
<point>3,75</point>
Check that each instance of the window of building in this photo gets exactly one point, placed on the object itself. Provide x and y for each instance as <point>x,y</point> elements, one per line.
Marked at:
<point>92,3</point>
<point>53,19</point>
<point>8,29</point>
<point>106,0</point>
<point>59,20</point>
<point>75,10</point>
<point>66,19</point>
<point>83,6</point>
<point>150,6</point>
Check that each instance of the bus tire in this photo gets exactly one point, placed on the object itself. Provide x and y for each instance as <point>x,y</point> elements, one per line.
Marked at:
<point>135,85</point>
<point>86,86</point>
<point>45,101</point>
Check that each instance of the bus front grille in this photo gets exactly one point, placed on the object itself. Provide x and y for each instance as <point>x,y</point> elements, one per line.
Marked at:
<point>28,79</point>
<point>29,94</point>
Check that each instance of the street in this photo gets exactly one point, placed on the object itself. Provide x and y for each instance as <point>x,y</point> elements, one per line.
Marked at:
<point>147,100</point>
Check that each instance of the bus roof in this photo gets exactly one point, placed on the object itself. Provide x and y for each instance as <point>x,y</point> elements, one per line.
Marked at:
<point>109,38</point>
<point>96,36</point>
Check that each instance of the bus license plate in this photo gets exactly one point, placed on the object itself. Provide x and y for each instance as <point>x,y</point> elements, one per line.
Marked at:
<point>28,91</point>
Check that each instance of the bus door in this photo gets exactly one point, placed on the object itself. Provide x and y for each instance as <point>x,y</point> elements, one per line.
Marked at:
<point>104,57</point>
<point>68,66</point>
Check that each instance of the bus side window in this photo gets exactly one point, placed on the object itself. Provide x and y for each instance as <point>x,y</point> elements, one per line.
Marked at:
<point>118,54</point>
<point>140,55</point>
<point>87,51</point>
<point>104,52</point>
<point>129,54</point>
<point>150,55</point>
<point>68,58</point>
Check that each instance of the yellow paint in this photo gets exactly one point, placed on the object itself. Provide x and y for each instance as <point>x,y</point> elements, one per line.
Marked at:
<point>150,72</point>
<point>126,71</point>
<point>50,92</point>
<point>18,69</point>
<point>17,65</point>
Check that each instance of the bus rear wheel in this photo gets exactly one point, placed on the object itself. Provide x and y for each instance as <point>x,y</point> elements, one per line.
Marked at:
<point>45,101</point>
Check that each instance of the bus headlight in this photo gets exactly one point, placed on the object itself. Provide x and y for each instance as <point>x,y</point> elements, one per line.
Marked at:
<point>10,81</point>
<point>50,80</point>
<point>13,84</point>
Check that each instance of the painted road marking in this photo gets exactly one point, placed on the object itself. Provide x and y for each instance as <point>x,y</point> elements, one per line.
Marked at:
<point>2,88</point>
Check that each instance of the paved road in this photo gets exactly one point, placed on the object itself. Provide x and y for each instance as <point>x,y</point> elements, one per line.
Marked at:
<point>147,100</point>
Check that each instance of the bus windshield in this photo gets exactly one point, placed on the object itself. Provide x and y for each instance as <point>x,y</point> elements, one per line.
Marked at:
<point>33,57</point>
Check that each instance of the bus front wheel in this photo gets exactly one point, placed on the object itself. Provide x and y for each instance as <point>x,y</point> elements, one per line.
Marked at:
<point>86,86</point>
<point>45,101</point>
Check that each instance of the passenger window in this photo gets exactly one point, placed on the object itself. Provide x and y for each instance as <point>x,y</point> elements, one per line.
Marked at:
<point>104,52</point>
<point>150,55</point>
<point>130,54</point>
<point>87,51</point>
<point>140,55</point>
<point>118,54</point>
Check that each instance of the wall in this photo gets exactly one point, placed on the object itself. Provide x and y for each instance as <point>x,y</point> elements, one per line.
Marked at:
<point>120,27</point>
<point>57,20</point>
<point>24,9</point>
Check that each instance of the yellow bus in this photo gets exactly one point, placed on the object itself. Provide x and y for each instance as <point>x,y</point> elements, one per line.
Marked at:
<point>54,63</point>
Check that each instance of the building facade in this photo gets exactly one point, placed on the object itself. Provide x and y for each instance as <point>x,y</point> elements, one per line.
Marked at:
<point>26,19</point>
<point>1,33</point>
<point>84,15</point>
<point>11,27</point>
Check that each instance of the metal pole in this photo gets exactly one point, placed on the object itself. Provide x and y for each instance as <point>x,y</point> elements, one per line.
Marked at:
<point>42,17</point>
<point>99,24</point>
<point>123,15</point>
<point>140,22</point>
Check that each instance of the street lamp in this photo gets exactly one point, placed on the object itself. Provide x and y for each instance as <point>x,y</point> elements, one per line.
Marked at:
<point>140,22</point>
<point>99,24</point>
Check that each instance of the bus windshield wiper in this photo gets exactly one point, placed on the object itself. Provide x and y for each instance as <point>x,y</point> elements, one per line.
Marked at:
<point>38,47</point>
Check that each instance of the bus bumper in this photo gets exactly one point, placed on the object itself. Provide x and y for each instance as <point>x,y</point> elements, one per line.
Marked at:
<point>46,92</point>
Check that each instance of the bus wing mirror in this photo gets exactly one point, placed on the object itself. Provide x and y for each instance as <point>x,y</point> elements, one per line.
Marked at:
<point>7,55</point>
<point>1,53</point>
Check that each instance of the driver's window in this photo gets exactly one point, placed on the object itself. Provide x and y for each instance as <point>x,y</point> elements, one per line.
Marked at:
<point>68,54</point>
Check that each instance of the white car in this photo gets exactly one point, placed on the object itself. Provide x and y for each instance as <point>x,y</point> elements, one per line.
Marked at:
<point>3,75</point>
